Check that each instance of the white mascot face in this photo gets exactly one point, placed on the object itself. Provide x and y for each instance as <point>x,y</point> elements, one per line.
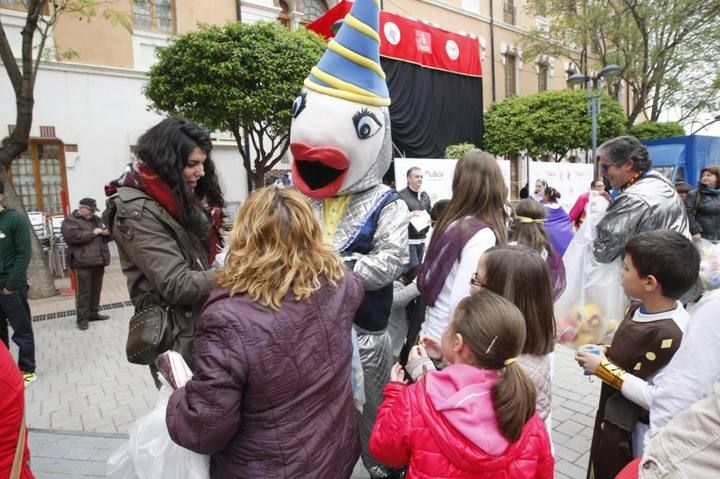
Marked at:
<point>337,146</point>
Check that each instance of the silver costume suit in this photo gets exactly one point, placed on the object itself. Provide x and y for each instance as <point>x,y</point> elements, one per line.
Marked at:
<point>379,268</point>
<point>651,203</point>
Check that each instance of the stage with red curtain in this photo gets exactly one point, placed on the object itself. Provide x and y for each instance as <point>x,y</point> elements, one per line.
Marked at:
<point>435,82</point>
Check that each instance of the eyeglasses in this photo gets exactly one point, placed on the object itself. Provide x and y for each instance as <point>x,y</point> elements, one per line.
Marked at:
<point>475,281</point>
<point>604,168</point>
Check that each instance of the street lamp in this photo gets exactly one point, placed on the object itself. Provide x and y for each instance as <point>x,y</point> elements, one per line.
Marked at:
<point>592,86</point>
<point>714,120</point>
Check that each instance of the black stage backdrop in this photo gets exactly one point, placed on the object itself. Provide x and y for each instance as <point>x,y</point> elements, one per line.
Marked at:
<point>432,109</point>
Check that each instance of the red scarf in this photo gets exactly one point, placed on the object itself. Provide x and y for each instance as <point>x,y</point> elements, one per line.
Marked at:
<point>158,190</point>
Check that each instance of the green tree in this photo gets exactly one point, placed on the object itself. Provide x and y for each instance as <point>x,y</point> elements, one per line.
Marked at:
<point>237,78</point>
<point>551,122</point>
<point>456,152</point>
<point>661,45</point>
<point>22,68</point>
<point>652,130</point>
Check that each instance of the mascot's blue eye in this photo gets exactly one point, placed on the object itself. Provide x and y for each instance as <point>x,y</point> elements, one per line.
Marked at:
<point>366,124</point>
<point>299,104</point>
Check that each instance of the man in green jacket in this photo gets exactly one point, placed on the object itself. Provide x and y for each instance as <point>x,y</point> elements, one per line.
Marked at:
<point>14,308</point>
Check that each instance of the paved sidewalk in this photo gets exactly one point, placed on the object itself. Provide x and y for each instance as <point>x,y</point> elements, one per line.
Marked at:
<point>87,396</point>
<point>71,455</point>
<point>114,291</point>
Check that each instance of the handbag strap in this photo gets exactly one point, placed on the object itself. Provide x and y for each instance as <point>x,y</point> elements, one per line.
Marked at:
<point>19,450</point>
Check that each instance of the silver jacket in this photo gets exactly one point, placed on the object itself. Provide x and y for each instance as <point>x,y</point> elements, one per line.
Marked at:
<point>389,253</point>
<point>651,203</point>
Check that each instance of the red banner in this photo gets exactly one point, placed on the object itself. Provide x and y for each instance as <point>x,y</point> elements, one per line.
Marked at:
<point>413,41</point>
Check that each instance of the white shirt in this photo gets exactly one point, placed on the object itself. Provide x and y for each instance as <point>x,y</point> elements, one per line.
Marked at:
<point>457,284</point>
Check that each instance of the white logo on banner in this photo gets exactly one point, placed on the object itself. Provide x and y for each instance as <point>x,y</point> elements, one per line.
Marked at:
<point>392,33</point>
<point>423,40</point>
<point>452,49</point>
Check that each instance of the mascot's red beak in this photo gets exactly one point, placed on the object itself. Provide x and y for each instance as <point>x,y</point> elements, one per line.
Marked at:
<point>318,171</point>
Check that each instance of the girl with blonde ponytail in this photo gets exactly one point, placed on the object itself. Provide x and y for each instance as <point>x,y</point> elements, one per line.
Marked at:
<point>475,418</point>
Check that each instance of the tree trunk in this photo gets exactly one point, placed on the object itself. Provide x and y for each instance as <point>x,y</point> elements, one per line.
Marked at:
<point>42,284</point>
<point>258,177</point>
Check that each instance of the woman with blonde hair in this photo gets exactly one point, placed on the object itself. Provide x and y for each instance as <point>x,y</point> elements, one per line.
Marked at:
<point>271,392</point>
<point>475,220</point>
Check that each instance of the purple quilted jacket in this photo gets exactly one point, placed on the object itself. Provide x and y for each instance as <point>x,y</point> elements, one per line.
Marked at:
<point>271,392</point>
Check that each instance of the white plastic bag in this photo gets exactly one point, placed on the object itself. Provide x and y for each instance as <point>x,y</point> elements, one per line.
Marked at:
<point>149,453</point>
<point>357,376</point>
<point>593,303</point>
<point>709,263</point>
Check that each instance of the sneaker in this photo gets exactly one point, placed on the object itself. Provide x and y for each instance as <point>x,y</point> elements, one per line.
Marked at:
<point>29,377</point>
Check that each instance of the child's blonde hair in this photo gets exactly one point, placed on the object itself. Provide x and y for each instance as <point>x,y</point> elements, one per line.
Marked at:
<point>493,329</point>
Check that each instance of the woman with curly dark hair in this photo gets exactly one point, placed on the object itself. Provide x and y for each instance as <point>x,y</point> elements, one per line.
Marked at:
<point>160,213</point>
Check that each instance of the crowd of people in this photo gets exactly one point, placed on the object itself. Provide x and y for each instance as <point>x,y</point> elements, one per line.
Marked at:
<point>268,332</point>
<point>343,320</point>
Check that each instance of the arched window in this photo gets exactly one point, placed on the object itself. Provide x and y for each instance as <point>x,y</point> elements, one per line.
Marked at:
<point>543,73</point>
<point>312,10</point>
<point>284,17</point>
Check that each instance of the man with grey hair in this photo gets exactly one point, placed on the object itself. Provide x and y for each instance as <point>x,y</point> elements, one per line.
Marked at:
<point>645,201</point>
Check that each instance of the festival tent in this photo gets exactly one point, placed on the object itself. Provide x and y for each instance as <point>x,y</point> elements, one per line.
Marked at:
<point>435,82</point>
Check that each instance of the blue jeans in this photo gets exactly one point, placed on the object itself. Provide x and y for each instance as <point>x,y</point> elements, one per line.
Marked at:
<point>14,309</point>
<point>417,251</point>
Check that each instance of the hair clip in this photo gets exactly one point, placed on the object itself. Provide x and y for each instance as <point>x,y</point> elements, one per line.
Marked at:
<point>487,351</point>
<point>527,219</point>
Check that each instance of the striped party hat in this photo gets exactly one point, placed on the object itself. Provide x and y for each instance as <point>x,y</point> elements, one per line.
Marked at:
<point>350,67</point>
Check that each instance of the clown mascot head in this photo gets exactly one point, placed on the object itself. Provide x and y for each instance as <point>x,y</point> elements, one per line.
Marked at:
<point>340,145</point>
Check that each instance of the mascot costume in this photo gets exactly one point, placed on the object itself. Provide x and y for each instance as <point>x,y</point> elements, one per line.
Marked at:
<point>341,146</point>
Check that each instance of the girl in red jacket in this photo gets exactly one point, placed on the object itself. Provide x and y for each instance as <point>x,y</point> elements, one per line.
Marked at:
<point>475,418</point>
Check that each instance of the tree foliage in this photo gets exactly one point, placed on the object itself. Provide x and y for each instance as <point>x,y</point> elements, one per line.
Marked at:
<point>662,46</point>
<point>456,152</point>
<point>237,78</point>
<point>21,67</point>
<point>652,130</point>
<point>551,122</point>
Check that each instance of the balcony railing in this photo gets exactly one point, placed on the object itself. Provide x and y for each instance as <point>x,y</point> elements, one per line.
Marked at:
<point>509,13</point>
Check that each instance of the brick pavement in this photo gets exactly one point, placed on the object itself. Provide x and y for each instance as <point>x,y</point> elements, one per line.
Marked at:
<point>87,396</point>
<point>67,455</point>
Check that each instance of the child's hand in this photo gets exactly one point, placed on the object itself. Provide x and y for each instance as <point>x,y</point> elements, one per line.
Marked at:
<point>417,352</point>
<point>397,374</point>
<point>589,361</point>
<point>603,348</point>
<point>432,347</point>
